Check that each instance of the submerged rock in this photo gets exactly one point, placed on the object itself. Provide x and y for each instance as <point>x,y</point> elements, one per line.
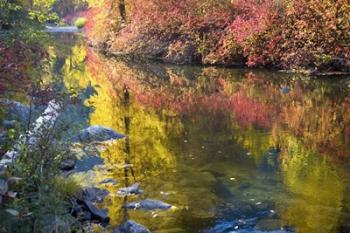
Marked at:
<point>285,90</point>
<point>98,134</point>
<point>148,204</point>
<point>109,181</point>
<point>133,189</point>
<point>269,224</point>
<point>94,194</point>
<point>88,163</point>
<point>131,227</point>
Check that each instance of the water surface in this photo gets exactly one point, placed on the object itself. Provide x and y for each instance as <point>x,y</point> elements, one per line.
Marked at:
<point>231,149</point>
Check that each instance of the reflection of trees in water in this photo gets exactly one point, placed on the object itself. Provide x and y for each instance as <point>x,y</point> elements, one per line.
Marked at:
<point>159,127</point>
<point>127,165</point>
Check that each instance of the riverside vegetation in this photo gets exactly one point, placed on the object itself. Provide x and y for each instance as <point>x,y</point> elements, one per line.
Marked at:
<point>284,34</point>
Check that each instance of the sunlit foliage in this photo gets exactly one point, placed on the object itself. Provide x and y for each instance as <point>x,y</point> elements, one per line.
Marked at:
<point>281,33</point>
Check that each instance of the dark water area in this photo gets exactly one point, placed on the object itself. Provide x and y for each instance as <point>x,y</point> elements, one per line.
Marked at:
<point>233,150</point>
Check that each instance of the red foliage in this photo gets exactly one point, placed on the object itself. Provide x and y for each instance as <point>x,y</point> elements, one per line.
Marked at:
<point>252,18</point>
<point>309,33</point>
<point>286,34</point>
<point>16,64</point>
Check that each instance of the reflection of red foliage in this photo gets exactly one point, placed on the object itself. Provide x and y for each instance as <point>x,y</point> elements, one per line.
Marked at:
<point>250,111</point>
<point>186,101</point>
<point>246,111</point>
<point>323,126</point>
<point>16,62</point>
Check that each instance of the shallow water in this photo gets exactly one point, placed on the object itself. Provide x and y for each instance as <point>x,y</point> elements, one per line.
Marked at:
<point>230,149</point>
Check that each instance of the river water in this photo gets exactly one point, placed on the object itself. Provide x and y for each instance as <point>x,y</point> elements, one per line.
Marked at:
<point>233,150</point>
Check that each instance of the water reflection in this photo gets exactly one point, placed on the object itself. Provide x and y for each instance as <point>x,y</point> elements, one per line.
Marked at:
<point>231,149</point>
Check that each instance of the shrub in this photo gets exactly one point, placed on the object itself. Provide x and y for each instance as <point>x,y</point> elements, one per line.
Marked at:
<point>306,31</point>
<point>80,22</point>
<point>282,33</point>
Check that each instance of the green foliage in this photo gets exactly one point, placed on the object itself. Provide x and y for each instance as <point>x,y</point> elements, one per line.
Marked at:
<point>18,14</point>
<point>80,22</point>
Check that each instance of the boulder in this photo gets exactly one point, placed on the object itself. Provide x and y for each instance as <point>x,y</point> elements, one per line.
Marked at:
<point>98,134</point>
<point>84,216</point>
<point>133,189</point>
<point>93,194</point>
<point>9,124</point>
<point>16,110</point>
<point>148,204</point>
<point>3,187</point>
<point>131,227</point>
<point>99,214</point>
<point>68,164</point>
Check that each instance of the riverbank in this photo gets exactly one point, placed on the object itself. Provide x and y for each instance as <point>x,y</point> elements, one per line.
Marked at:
<point>157,51</point>
<point>288,35</point>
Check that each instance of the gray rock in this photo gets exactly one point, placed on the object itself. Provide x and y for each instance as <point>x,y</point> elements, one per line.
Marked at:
<point>9,124</point>
<point>84,216</point>
<point>133,189</point>
<point>99,214</point>
<point>98,134</point>
<point>16,110</point>
<point>3,187</point>
<point>109,181</point>
<point>148,204</point>
<point>68,164</point>
<point>94,194</point>
<point>131,227</point>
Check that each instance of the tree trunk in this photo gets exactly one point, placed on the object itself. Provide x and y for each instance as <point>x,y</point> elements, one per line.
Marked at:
<point>122,11</point>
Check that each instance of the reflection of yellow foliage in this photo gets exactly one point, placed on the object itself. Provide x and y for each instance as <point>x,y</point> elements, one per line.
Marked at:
<point>75,74</point>
<point>317,188</point>
<point>254,141</point>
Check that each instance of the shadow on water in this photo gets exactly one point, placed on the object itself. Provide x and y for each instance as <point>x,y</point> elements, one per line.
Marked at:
<point>233,150</point>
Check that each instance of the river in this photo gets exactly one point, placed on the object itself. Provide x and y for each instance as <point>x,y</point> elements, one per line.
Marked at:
<point>233,150</point>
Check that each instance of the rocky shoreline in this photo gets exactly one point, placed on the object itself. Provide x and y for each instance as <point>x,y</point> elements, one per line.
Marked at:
<point>84,204</point>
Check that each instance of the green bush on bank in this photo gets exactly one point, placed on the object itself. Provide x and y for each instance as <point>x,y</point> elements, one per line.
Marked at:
<point>80,22</point>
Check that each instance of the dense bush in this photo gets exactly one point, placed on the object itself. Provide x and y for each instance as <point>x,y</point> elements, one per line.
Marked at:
<point>80,22</point>
<point>309,33</point>
<point>280,33</point>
